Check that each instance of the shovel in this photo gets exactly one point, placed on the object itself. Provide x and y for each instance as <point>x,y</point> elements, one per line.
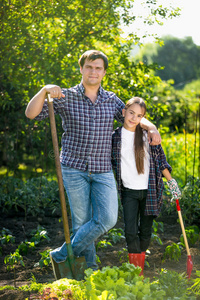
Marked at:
<point>73,267</point>
<point>189,259</point>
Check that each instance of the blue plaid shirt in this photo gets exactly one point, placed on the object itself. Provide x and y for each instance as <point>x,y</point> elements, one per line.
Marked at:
<point>157,164</point>
<point>87,137</point>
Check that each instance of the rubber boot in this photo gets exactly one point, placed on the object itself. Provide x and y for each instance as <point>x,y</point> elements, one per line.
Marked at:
<point>137,259</point>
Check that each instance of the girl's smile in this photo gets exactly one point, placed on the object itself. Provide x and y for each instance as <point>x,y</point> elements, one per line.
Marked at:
<point>132,116</point>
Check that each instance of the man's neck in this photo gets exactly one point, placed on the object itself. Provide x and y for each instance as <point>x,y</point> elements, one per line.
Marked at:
<point>91,92</point>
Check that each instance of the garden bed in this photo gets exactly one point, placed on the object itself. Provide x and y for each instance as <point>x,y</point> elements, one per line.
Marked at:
<point>109,256</point>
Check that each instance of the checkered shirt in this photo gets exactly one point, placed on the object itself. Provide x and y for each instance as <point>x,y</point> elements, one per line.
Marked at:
<point>157,164</point>
<point>87,137</point>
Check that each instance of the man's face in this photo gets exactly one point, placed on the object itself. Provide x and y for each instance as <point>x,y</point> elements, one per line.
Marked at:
<point>93,72</point>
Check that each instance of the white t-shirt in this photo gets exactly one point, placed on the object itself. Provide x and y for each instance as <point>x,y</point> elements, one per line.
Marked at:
<point>129,174</point>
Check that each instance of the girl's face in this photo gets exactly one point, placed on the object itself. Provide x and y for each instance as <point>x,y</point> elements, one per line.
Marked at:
<point>132,116</point>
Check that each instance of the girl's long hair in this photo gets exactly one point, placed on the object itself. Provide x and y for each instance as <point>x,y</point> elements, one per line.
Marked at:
<point>138,141</point>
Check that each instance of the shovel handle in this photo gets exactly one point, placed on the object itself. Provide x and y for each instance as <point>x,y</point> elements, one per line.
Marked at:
<point>182,226</point>
<point>58,169</point>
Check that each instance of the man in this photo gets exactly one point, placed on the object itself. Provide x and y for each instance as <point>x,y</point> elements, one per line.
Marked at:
<point>87,113</point>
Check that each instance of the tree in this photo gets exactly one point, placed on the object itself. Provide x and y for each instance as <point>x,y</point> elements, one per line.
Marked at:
<point>41,42</point>
<point>181,60</point>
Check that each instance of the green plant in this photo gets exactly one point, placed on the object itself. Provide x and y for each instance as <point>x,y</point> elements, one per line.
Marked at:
<point>6,236</point>
<point>39,234</point>
<point>115,235</point>
<point>192,234</point>
<point>34,197</point>
<point>174,285</point>
<point>119,283</point>
<point>195,288</point>
<point>103,244</point>
<point>173,252</point>
<point>12,261</point>
<point>25,246</point>
<point>123,255</point>
<point>190,201</point>
<point>45,259</point>
<point>154,236</point>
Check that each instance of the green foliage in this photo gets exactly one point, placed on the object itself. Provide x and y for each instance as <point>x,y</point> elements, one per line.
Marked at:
<point>115,235</point>
<point>192,234</point>
<point>12,261</point>
<point>173,252</point>
<point>154,236</point>
<point>174,285</point>
<point>103,244</point>
<point>39,234</point>
<point>180,155</point>
<point>45,259</point>
<point>190,202</point>
<point>6,236</point>
<point>176,55</point>
<point>119,283</point>
<point>24,247</point>
<point>195,288</point>
<point>41,43</point>
<point>33,197</point>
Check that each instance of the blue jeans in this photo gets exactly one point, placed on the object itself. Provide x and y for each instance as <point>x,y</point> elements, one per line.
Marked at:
<point>94,209</point>
<point>138,226</point>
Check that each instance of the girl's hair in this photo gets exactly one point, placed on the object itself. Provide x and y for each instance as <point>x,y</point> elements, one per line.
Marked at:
<point>138,142</point>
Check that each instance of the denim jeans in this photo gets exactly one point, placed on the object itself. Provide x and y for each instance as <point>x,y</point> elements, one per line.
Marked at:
<point>94,209</point>
<point>138,227</point>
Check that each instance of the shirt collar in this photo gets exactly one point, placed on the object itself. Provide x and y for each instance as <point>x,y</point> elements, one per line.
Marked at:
<point>82,89</point>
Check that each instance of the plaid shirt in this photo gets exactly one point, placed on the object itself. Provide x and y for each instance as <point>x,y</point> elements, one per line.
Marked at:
<point>157,164</point>
<point>87,137</point>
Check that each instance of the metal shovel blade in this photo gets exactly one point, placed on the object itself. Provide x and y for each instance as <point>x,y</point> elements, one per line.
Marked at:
<point>64,269</point>
<point>189,266</point>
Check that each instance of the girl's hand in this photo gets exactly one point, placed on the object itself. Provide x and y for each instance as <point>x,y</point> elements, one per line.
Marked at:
<point>174,189</point>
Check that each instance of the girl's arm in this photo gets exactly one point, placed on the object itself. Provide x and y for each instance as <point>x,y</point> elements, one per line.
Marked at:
<point>167,174</point>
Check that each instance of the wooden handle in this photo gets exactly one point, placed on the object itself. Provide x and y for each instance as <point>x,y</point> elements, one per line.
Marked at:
<point>58,170</point>
<point>183,231</point>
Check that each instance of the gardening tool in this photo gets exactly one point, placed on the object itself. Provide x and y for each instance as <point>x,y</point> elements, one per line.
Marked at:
<point>73,267</point>
<point>189,259</point>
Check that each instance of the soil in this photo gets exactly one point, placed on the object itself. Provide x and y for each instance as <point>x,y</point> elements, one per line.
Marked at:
<point>108,256</point>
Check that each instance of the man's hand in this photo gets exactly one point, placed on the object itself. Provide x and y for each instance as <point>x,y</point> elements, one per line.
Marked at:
<point>35,105</point>
<point>54,91</point>
<point>154,137</point>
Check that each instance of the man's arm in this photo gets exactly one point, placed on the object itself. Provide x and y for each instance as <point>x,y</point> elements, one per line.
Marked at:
<point>35,105</point>
<point>154,137</point>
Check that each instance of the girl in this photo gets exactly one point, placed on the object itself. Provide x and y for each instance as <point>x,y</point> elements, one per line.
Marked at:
<point>139,168</point>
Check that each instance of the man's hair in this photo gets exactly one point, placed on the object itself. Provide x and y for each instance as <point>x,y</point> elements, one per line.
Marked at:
<point>92,55</point>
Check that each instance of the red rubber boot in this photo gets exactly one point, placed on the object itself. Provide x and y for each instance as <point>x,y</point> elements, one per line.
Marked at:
<point>137,259</point>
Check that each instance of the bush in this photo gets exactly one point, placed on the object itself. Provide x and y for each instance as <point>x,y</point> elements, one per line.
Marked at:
<point>190,201</point>
<point>34,197</point>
